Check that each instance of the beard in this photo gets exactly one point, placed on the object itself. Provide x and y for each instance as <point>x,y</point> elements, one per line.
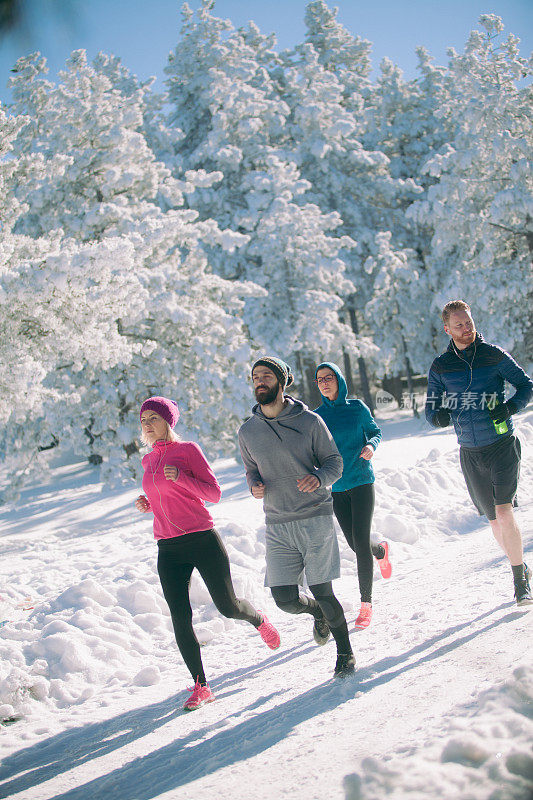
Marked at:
<point>467,338</point>
<point>265,396</point>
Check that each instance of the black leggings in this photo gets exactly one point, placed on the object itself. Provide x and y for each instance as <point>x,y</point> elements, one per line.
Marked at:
<point>177,557</point>
<point>325,604</point>
<point>354,509</point>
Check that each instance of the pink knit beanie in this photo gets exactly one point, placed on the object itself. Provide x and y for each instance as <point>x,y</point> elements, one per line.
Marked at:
<point>168,409</point>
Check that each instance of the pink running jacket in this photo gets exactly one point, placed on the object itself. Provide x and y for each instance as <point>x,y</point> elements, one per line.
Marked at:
<point>179,506</point>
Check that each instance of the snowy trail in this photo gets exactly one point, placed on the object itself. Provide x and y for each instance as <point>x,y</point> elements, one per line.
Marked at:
<point>434,665</point>
<point>440,705</point>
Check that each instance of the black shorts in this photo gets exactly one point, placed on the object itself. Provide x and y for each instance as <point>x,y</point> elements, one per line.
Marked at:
<point>491,474</point>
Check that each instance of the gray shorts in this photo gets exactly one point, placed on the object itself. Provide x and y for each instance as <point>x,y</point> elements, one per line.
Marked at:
<point>308,545</point>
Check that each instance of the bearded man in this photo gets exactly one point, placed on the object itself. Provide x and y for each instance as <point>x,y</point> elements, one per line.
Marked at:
<point>291,463</point>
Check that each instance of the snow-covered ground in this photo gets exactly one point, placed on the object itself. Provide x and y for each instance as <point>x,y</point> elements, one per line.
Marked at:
<point>91,683</point>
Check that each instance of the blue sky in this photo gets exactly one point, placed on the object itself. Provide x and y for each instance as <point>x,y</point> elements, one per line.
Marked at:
<point>142,32</point>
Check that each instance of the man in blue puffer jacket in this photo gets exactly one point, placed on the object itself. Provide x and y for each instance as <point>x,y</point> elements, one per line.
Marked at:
<point>466,386</point>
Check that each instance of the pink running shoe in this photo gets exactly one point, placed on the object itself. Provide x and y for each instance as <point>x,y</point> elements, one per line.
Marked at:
<point>200,695</point>
<point>384,563</point>
<point>268,633</point>
<point>365,615</point>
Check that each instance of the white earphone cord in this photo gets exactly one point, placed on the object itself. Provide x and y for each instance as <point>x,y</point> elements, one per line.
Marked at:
<point>470,365</point>
<point>159,493</point>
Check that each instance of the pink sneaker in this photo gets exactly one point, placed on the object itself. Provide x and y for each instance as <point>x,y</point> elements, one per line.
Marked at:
<point>268,633</point>
<point>200,695</point>
<point>365,615</point>
<point>384,563</point>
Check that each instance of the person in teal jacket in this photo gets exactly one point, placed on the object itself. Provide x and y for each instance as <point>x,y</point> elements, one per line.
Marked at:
<point>357,436</point>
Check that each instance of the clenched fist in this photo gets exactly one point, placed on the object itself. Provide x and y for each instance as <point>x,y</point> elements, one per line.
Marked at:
<point>142,504</point>
<point>171,473</point>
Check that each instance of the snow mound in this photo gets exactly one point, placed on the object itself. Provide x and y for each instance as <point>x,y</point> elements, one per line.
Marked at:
<point>103,629</point>
<point>107,625</point>
<point>484,751</point>
<point>423,501</point>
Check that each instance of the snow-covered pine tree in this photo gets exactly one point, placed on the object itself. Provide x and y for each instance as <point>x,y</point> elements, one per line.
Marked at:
<point>91,179</point>
<point>55,316</point>
<point>402,121</point>
<point>481,208</point>
<point>325,84</point>
<point>20,359</point>
<point>225,100</point>
<point>347,56</point>
<point>399,302</point>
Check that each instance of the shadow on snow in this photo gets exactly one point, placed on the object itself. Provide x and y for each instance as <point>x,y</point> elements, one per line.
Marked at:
<point>194,756</point>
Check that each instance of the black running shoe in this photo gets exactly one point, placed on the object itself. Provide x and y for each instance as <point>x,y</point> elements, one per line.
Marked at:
<point>527,572</point>
<point>321,631</point>
<point>378,551</point>
<point>522,593</point>
<point>345,665</point>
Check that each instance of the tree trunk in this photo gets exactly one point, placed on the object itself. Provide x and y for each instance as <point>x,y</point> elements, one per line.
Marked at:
<point>409,375</point>
<point>348,371</point>
<point>393,385</point>
<point>309,391</point>
<point>363,375</point>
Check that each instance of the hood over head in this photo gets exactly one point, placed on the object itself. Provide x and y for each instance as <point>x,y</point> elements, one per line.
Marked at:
<point>343,388</point>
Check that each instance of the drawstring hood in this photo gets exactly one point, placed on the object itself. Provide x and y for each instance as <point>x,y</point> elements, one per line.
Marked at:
<point>274,431</point>
<point>281,425</point>
<point>293,409</point>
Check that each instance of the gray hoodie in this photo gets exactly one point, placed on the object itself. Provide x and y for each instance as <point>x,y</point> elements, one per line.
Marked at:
<point>280,450</point>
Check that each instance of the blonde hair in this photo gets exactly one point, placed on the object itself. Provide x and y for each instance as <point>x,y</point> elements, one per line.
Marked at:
<point>171,435</point>
<point>451,307</point>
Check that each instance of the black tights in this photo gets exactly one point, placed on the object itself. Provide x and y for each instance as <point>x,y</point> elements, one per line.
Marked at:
<point>324,604</point>
<point>177,557</point>
<point>354,509</point>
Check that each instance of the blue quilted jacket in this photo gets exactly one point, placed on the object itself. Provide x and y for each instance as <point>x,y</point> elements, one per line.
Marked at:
<point>467,381</point>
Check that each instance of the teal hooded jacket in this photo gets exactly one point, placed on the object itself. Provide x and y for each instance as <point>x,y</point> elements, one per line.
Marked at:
<point>352,426</point>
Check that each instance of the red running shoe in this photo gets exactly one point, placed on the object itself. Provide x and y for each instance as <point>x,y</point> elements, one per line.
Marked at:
<point>384,563</point>
<point>268,633</point>
<point>200,695</point>
<point>365,615</point>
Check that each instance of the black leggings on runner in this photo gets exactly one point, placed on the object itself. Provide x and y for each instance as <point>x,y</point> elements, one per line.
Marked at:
<point>177,557</point>
<point>354,509</point>
<point>325,604</point>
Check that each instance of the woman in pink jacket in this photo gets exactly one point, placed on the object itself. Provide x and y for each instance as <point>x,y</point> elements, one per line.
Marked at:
<point>177,481</point>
